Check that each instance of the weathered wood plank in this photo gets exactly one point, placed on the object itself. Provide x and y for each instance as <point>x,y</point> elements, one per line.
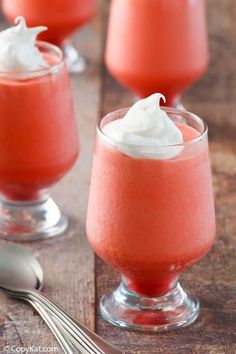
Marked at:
<point>68,262</point>
<point>213,97</point>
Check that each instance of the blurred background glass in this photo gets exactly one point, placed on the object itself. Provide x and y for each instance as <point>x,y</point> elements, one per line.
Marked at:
<point>157,45</point>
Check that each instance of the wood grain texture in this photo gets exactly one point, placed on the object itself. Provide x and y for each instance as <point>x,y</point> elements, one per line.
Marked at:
<point>67,261</point>
<point>213,279</point>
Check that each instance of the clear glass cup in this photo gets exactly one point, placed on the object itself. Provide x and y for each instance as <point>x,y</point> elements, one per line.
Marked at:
<point>62,17</point>
<point>38,146</point>
<point>151,219</point>
<point>157,46</point>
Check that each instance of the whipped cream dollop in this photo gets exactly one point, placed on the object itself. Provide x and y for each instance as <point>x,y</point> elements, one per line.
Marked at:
<point>18,51</point>
<point>146,131</point>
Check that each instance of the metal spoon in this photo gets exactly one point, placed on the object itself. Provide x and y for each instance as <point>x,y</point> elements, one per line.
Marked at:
<point>15,271</point>
<point>21,276</point>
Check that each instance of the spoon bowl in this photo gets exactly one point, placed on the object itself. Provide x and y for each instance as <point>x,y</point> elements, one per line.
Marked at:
<point>19,269</point>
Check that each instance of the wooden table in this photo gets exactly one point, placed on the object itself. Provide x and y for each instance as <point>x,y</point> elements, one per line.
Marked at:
<point>74,278</point>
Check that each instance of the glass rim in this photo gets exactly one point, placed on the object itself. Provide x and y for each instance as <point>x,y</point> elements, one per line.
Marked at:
<point>169,110</point>
<point>45,45</point>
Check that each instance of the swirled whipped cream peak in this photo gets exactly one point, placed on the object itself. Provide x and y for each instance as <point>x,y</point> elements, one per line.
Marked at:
<point>18,51</point>
<point>146,131</point>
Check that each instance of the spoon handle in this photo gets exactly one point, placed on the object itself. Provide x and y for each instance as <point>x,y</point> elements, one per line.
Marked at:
<point>78,333</point>
<point>71,341</point>
<point>58,330</point>
<point>62,340</point>
<point>90,340</point>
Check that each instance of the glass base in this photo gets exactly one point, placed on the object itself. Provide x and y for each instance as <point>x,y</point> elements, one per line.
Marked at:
<point>76,64</point>
<point>30,221</point>
<point>129,310</point>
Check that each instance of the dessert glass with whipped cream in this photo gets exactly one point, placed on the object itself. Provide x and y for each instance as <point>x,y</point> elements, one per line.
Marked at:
<point>157,46</point>
<point>62,17</point>
<point>151,211</point>
<point>38,135</point>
